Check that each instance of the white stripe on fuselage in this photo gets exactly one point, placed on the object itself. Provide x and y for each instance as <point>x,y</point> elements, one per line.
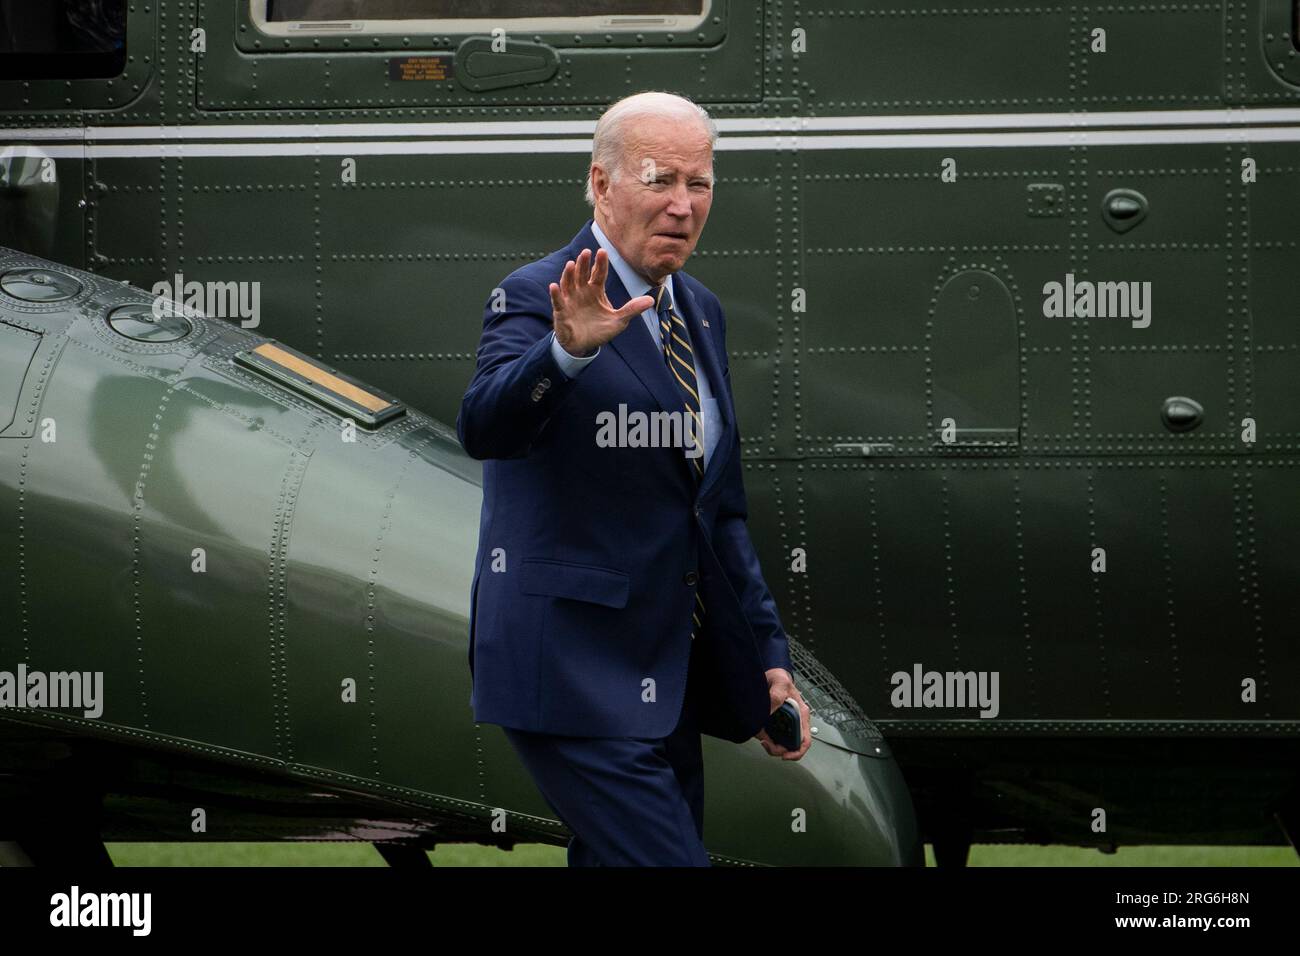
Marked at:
<point>783,133</point>
<point>774,124</point>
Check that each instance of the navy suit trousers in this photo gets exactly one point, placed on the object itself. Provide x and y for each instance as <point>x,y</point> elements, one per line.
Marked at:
<point>629,801</point>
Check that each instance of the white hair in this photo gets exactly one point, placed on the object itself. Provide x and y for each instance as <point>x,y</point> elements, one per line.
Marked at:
<point>607,143</point>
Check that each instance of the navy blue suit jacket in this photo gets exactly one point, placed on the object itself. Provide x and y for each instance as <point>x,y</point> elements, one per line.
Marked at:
<point>589,557</point>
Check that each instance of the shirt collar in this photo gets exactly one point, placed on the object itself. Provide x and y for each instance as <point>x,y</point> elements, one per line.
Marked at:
<point>630,277</point>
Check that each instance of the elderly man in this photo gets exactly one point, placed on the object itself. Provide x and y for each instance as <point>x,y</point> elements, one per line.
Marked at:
<point>618,609</point>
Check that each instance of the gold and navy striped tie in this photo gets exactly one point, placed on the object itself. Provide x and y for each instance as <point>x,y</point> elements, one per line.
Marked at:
<point>680,358</point>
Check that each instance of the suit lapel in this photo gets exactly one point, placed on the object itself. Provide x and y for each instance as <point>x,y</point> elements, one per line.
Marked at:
<point>636,348</point>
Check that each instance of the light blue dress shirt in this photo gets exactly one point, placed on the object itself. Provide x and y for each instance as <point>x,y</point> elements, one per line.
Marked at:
<point>632,280</point>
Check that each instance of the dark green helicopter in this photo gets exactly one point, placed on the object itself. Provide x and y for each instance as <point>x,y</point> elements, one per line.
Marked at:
<point>1011,300</point>
<point>240,583</point>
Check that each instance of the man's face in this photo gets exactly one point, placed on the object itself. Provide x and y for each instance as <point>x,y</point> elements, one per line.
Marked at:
<point>656,211</point>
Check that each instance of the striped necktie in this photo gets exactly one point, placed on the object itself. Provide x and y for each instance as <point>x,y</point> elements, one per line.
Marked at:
<point>680,358</point>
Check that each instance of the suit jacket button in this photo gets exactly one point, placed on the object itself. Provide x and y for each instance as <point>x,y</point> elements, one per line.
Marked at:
<point>545,384</point>
<point>689,578</point>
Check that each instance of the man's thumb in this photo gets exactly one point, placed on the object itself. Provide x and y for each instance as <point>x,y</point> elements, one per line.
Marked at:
<point>639,304</point>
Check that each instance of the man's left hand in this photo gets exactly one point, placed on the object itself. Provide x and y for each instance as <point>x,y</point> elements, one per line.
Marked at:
<point>780,687</point>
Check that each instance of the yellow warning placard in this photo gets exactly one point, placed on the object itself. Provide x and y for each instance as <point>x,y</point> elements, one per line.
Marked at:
<point>419,68</point>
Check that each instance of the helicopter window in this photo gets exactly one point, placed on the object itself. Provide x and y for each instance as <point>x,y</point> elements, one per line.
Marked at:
<point>62,39</point>
<point>477,16</point>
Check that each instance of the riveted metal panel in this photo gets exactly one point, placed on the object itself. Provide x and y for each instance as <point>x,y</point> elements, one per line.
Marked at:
<point>1264,586</point>
<point>76,493</point>
<point>192,655</point>
<point>1154,54</point>
<point>972,57</point>
<point>221,207</point>
<point>129,217</point>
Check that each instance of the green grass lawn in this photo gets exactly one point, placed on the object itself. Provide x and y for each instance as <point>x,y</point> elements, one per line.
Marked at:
<point>535,854</point>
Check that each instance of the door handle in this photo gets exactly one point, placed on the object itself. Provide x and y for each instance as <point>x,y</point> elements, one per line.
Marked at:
<point>479,67</point>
